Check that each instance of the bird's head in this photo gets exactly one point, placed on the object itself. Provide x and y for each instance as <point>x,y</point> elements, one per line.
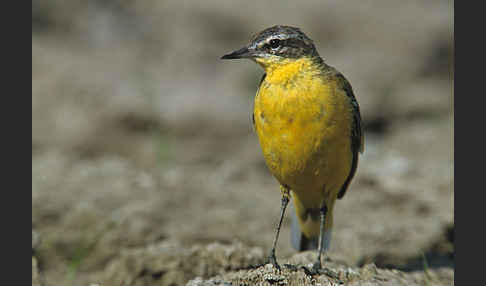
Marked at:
<point>275,46</point>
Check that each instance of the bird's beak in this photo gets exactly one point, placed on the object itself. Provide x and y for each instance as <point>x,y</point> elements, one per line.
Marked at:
<point>239,54</point>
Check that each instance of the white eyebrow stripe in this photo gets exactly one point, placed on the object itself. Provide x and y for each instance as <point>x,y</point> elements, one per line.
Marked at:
<point>282,37</point>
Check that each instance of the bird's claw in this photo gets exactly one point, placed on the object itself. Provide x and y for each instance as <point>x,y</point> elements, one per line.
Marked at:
<point>291,267</point>
<point>273,260</point>
<point>314,270</point>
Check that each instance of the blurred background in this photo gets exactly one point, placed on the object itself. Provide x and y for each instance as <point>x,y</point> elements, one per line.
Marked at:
<point>141,135</point>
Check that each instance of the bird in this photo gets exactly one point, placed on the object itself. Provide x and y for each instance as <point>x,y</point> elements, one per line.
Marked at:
<point>309,129</point>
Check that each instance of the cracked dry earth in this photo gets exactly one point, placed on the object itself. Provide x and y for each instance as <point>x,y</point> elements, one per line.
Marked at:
<point>219,264</point>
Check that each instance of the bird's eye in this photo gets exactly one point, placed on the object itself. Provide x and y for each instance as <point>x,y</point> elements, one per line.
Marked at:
<point>274,43</point>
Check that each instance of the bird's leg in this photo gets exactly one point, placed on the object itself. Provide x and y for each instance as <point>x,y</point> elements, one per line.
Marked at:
<point>317,265</point>
<point>285,200</point>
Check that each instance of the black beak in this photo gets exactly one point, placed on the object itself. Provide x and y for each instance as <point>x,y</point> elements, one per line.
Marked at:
<point>239,54</point>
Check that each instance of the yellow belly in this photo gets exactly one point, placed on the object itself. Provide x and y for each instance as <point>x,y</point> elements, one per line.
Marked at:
<point>304,129</point>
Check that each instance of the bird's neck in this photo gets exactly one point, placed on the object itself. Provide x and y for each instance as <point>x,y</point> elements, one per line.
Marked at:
<point>288,70</point>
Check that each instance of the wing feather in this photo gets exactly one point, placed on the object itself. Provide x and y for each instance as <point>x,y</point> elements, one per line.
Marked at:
<point>253,112</point>
<point>357,136</point>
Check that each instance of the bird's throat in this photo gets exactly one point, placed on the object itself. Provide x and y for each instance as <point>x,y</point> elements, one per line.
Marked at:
<point>283,71</point>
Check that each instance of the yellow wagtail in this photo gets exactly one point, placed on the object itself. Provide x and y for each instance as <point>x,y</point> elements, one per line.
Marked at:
<point>309,127</point>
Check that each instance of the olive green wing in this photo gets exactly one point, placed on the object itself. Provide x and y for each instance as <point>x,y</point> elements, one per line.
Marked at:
<point>253,112</point>
<point>357,135</point>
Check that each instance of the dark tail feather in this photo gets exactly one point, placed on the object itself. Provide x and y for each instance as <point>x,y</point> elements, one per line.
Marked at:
<point>301,243</point>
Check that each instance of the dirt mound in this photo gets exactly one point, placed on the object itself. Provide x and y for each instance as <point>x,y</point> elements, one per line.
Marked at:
<point>169,263</point>
<point>331,274</point>
<point>172,264</point>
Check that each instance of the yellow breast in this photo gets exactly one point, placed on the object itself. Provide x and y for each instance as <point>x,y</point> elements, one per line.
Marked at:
<point>303,122</point>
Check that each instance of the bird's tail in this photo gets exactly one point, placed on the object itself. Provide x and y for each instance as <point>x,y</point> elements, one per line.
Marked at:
<point>305,228</point>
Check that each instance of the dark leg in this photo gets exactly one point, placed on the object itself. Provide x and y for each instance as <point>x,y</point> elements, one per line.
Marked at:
<point>323,211</point>
<point>285,201</point>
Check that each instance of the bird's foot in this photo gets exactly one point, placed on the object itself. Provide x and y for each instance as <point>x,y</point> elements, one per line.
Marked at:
<point>255,266</point>
<point>291,267</point>
<point>314,270</point>
<point>317,269</point>
<point>273,260</point>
